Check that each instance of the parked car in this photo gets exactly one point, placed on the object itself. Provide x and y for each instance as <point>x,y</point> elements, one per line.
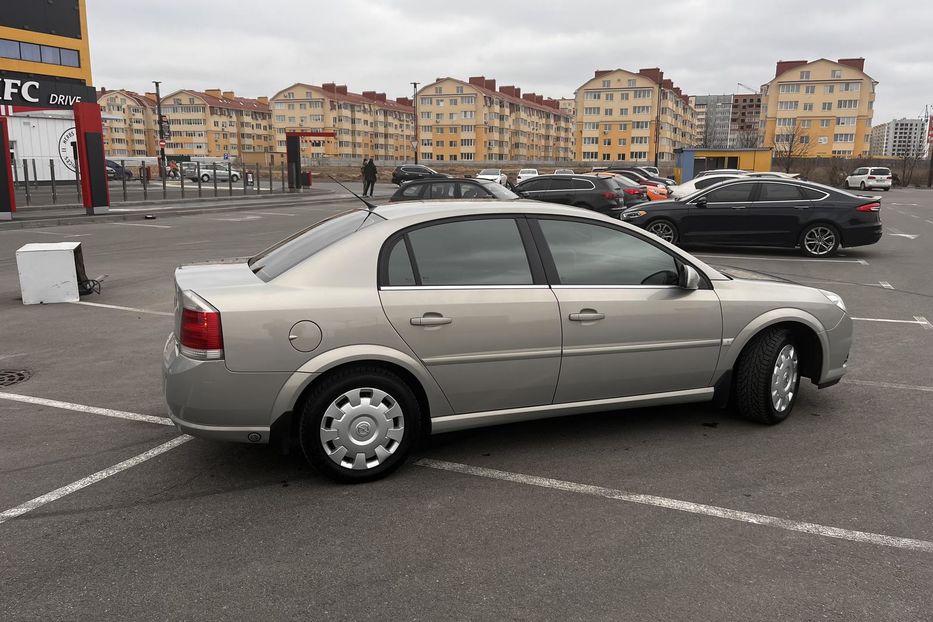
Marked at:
<point>657,190</point>
<point>652,169</point>
<point>649,173</point>
<point>633,193</point>
<point>409,172</point>
<point>764,212</point>
<point>717,171</point>
<point>526,173</point>
<point>640,175</point>
<point>493,174</point>
<point>207,172</point>
<point>599,192</point>
<point>698,183</point>
<point>564,171</point>
<point>869,177</point>
<point>119,172</point>
<point>452,188</point>
<point>774,174</point>
<point>478,315</point>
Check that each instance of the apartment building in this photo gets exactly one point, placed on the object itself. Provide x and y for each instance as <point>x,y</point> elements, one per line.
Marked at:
<point>827,105</point>
<point>899,138</point>
<point>366,124</point>
<point>129,121</point>
<point>475,120</point>
<point>622,115</point>
<point>215,123</point>
<point>712,120</point>
<point>745,121</point>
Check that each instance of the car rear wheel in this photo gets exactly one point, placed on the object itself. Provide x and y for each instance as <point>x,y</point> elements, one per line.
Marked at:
<point>819,241</point>
<point>861,186</point>
<point>359,424</point>
<point>236,177</point>
<point>767,378</point>
<point>205,177</point>
<point>664,229</point>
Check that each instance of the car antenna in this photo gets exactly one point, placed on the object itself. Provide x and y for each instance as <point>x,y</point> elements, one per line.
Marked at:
<point>370,206</point>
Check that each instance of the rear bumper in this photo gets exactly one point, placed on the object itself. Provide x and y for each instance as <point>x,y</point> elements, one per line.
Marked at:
<point>207,400</point>
<point>862,235</point>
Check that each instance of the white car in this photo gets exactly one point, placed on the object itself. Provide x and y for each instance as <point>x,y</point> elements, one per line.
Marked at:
<point>652,169</point>
<point>493,174</point>
<point>526,173</point>
<point>699,183</point>
<point>564,171</point>
<point>866,178</point>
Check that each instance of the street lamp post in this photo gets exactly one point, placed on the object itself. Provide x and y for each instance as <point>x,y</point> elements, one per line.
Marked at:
<point>414,105</point>
<point>161,132</point>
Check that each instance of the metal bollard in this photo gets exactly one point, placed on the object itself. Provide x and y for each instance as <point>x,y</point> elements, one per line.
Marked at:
<point>270,177</point>
<point>26,181</point>
<point>229,180</point>
<point>214,165</point>
<point>52,177</point>
<point>282,171</point>
<point>144,174</point>
<point>181,177</point>
<point>123,178</point>
<point>199,179</point>
<point>245,174</point>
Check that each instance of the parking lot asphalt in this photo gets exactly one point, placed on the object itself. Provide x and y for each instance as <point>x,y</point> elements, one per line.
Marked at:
<point>653,514</point>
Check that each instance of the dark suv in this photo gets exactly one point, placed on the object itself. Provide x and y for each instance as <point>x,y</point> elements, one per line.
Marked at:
<point>598,193</point>
<point>409,172</point>
<point>452,188</point>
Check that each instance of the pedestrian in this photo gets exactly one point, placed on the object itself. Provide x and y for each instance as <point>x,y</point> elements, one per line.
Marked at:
<point>173,169</point>
<point>363,173</point>
<point>370,174</point>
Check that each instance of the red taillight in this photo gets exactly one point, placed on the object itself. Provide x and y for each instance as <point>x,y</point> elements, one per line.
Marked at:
<point>869,207</point>
<point>200,333</point>
<point>632,191</point>
<point>610,196</point>
<point>872,177</point>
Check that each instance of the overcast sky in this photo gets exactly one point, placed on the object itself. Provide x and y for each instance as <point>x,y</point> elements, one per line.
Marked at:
<point>258,48</point>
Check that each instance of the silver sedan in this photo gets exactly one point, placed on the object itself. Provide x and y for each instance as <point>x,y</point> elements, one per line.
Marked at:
<point>365,331</point>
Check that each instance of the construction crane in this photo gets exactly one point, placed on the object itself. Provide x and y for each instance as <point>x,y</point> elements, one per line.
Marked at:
<point>745,86</point>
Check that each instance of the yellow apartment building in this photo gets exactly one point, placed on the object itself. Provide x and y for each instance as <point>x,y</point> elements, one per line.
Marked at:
<point>823,104</point>
<point>129,121</point>
<point>618,112</point>
<point>474,120</point>
<point>215,123</point>
<point>366,124</point>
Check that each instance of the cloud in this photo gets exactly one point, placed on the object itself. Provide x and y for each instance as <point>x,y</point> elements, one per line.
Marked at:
<point>550,48</point>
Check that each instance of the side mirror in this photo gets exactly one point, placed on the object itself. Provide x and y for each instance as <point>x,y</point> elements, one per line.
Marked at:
<point>689,278</point>
<point>701,202</point>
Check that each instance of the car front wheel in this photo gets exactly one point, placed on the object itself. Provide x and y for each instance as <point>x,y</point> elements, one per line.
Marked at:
<point>767,377</point>
<point>820,240</point>
<point>236,178</point>
<point>664,229</point>
<point>359,425</point>
<point>205,177</point>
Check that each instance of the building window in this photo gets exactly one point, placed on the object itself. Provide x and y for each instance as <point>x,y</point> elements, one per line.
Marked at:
<point>640,125</point>
<point>631,82</point>
<point>827,105</point>
<point>808,107</point>
<point>837,74</point>
<point>641,110</point>
<point>642,93</point>
<point>607,112</point>
<point>590,125</point>
<point>788,105</point>
<point>789,88</point>
<point>829,88</point>
<point>591,111</point>
<point>805,123</point>
<point>606,84</point>
<point>622,142</point>
<point>845,120</point>
<point>804,75</point>
<point>843,138</point>
<point>788,122</point>
<point>847,103</point>
<point>590,155</point>
<point>824,123</point>
<point>438,90</point>
<point>809,89</point>
<point>46,54</point>
<point>638,155</point>
<point>592,95</point>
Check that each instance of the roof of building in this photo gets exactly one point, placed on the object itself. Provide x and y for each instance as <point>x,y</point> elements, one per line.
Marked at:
<point>225,99</point>
<point>142,100</point>
<point>339,92</point>
<point>783,66</point>
<point>509,93</point>
<point>653,74</point>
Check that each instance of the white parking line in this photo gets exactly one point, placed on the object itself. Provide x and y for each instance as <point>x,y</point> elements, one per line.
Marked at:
<point>756,258</point>
<point>922,321</point>
<point>263,213</point>
<point>885,285</point>
<point>81,408</point>
<point>888,385</point>
<point>242,219</point>
<point>92,479</point>
<point>683,506</point>
<point>139,224</point>
<point>118,307</point>
<point>64,235</point>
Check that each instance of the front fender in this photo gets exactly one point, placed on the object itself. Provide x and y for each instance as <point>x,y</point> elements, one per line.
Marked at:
<point>307,373</point>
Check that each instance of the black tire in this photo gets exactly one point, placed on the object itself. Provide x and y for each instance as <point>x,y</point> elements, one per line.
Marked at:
<point>205,177</point>
<point>361,377</point>
<point>754,373</point>
<point>660,223</point>
<point>845,184</point>
<point>885,189</point>
<point>236,178</point>
<point>807,248</point>
<point>861,186</point>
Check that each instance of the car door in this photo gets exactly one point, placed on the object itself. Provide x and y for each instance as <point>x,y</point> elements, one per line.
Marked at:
<point>442,190</point>
<point>776,214</point>
<point>536,188</point>
<point>479,315</point>
<point>628,328</point>
<point>719,216</point>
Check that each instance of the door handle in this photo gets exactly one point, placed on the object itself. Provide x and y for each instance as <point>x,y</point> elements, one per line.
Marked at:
<point>738,207</point>
<point>801,207</point>
<point>430,320</point>
<point>587,315</point>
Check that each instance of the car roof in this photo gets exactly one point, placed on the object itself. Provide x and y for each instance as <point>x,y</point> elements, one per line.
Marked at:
<point>444,180</point>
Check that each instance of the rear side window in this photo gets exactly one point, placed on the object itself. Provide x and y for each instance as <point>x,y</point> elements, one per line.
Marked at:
<point>880,171</point>
<point>472,191</point>
<point>582,184</point>
<point>463,253</point>
<point>399,267</point>
<point>412,191</point>
<point>706,182</point>
<point>813,194</point>
<point>536,185</point>
<point>779,192</point>
<point>731,194</point>
<point>291,251</point>
<point>561,184</point>
<point>443,191</point>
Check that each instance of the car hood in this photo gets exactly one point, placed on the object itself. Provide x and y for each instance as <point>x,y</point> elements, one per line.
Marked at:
<point>743,274</point>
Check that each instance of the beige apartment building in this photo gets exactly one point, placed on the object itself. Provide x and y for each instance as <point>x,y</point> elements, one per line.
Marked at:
<point>825,106</point>
<point>216,123</point>
<point>474,120</point>
<point>621,115</point>
<point>366,124</point>
<point>129,123</point>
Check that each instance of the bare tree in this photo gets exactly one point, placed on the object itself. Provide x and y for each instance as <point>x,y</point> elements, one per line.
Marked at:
<point>909,159</point>
<point>789,145</point>
<point>747,138</point>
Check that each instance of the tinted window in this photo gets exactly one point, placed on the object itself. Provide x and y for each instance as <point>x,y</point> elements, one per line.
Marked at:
<point>535,185</point>
<point>778,192</point>
<point>412,190</point>
<point>472,191</point>
<point>471,252</point>
<point>706,182</point>
<point>731,193</point>
<point>587,254</point>
<point>561,184</point>
<point>70,58</point>
<point>29,51</point>
<point>880,171</point>
<point>582,184</point>
<point>499,191</point>
<point>291,251</point>
<point>812,193</point>
<point>443,191</point>
<point>400,272</point>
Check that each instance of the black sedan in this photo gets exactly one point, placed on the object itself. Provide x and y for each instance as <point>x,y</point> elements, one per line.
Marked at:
<point>452,188</point>
<point>409,172</point>
<point>598,192</point>
<point>765,212</point>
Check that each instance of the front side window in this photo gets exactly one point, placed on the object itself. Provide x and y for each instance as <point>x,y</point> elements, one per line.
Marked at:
<point>589,254</point>
<point>535,185</point>
<point>412,190</point>
<point>731,194</point>
<point>466,253</point>
<point>443,191</point>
